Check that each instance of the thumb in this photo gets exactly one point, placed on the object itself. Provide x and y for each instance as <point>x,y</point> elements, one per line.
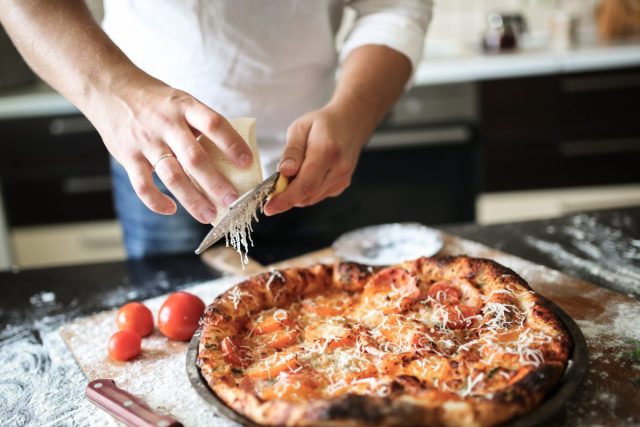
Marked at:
<point>293,154</point>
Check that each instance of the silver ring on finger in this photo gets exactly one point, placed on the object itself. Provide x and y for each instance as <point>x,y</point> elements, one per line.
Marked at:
<point>161,158</point>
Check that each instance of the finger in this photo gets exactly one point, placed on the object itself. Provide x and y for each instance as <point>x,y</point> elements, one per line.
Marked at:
<point>176,180</point>
<point>215,127</point>
<point>318,194</point>
<point>305,186</point>
<point>331,192</point>
<point>337,180</point>
<point>197,163</point>
<point>293,154</point>
<point>140,175</point>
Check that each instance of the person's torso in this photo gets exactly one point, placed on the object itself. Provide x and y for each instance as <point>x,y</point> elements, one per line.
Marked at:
<point>273,60</point>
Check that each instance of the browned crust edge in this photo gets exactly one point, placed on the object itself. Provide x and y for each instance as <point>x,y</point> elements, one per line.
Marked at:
<point>356,410</point>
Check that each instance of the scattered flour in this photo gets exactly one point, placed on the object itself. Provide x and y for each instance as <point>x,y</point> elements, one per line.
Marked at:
<point>159,375</point>
<point>42,385</point>
<point>42,298</point>
<point>591,242</point>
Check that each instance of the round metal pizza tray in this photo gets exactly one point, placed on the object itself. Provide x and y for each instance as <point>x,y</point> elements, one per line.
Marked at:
<point>571,380</point>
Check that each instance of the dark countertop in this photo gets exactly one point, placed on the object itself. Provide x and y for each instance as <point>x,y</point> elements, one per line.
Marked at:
<point>40,384</point>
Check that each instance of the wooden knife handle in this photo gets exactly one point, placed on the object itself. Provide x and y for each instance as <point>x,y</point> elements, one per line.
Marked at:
<point>124,406</point>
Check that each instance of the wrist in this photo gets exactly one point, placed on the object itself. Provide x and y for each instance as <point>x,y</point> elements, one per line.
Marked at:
<point>122,83</point>
<point>358,115</point>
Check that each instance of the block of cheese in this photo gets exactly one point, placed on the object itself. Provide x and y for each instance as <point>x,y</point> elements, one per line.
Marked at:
<point>242,179</point>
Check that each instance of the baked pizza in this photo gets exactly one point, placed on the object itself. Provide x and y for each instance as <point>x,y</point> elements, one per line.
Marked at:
<point>453,341</point>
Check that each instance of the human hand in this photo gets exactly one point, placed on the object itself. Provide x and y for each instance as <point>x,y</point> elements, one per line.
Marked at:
<point>144,121</point>
<point>322,151</point>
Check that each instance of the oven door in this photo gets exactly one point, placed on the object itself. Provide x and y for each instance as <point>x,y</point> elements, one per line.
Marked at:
<point>424,174</point>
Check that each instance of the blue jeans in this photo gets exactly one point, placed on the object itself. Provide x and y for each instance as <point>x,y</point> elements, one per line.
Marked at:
<point>147,233</point>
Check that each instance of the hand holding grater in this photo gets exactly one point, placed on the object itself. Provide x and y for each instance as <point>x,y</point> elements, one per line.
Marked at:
<point>236,224</point>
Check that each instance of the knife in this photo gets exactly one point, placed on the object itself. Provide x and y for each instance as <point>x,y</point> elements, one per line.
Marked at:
<point>124,406</point>
<point>249,201</point>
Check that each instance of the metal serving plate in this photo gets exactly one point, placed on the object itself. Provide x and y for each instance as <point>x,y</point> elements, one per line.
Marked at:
<point>571,380</point>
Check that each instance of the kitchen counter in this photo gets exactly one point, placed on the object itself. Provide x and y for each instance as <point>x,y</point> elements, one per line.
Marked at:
<point>40,383</point>
<point>40,100</point>
<point>475,66</point>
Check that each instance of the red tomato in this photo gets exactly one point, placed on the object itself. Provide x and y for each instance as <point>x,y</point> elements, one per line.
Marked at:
<point>179,315</point>
<point>136,316</point>
<point>124,345</point>
<point>445,293</point>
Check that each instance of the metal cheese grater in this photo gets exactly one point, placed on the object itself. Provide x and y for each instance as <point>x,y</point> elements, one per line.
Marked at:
<point>249,201</point>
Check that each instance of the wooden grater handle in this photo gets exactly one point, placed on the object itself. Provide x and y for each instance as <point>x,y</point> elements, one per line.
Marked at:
<point>124,406</point>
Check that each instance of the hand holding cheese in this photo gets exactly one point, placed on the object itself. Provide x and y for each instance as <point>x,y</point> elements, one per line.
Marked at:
<point>243,179</point>
<point>146,123</point>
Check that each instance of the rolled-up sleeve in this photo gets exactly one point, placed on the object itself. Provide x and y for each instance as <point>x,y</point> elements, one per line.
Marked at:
<point>398,24</point>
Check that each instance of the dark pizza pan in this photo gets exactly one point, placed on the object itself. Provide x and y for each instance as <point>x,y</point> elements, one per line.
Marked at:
<point>569,384</point>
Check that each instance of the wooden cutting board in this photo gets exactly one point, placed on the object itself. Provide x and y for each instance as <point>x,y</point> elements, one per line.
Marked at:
<point>609,394</point>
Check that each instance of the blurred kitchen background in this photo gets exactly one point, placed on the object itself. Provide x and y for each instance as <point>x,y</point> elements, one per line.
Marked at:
<point>521,109</point>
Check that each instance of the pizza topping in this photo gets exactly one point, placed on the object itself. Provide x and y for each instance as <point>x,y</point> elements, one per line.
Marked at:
<point>236,295</point>
<point>455,304</point>
<point>271,366</point>
<point>472,382</point>
<point>290,386</point>
<point>232,354</point>
<point>275,274</point>
<point>501,316</point>
<point>391,333</point>
<point>327,305</point>
<point>282,339</point>
<point>392,290</point>
<point>270,321</point>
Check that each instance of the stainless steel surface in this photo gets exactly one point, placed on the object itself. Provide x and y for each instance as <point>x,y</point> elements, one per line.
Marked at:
<point>450,135</point>
<point>596,147</point>
<point>236,209</point>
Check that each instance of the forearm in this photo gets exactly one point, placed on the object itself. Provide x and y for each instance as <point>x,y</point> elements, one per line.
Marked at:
<point>372,79</point>
<point>64,45</point>
<point>139,118</point>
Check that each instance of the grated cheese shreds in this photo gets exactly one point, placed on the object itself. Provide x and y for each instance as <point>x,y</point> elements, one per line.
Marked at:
<point>240,229</point>
<point>363,351</point>
<point>471,383</point>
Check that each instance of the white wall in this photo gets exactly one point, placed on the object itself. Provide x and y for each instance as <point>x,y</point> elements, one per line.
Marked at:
<point>463,22</point>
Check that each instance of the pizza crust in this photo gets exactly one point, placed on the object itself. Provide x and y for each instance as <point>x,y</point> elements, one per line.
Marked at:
<point>410,400</point>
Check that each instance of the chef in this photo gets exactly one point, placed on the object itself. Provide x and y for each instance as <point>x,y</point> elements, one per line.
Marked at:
<point>159,73</point>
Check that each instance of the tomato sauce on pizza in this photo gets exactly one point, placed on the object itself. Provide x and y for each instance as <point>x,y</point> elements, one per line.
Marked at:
<point>434,341</point>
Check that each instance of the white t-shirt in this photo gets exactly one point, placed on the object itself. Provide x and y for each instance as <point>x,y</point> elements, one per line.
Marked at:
<point>270,59</point>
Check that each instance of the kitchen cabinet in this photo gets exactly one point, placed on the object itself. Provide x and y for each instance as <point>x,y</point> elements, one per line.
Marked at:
<point>567,130</point>
<point>53,169</point>
<point>64,244</point>
<point>56,193</point>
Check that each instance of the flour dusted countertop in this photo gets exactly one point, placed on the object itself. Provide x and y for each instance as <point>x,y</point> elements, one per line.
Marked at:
<point>41,384</point>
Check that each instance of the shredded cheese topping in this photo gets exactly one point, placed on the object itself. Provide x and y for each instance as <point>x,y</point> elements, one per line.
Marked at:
<point>365,351</point>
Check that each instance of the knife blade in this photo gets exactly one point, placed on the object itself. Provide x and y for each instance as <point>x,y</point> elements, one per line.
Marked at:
<point>249,201</point>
